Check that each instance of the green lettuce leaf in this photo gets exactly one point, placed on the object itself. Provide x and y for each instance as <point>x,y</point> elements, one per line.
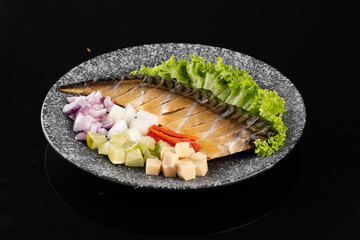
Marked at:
<point>232,86</point>
<point>196,69</point>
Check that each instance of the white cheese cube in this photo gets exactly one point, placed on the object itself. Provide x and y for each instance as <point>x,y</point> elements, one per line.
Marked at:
<point>168,171</point>
<point>170,159</point>
<point>200,161</point>
<point>169,164</point>
<point>198,156</point>
<point>153,166</point>
<point>186,169</point>
<point>191,151</point>
<point>201,167</point>
<point>182,149</point>
<point>165,150</point>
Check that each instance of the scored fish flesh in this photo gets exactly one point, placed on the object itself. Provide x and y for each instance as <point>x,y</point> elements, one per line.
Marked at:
<point>222,128</point>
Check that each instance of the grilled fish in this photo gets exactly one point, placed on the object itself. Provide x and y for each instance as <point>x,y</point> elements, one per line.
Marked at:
<point>222,128</point>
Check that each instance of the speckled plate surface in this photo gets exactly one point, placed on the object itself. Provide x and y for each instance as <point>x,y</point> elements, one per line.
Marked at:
<point>57,126</point>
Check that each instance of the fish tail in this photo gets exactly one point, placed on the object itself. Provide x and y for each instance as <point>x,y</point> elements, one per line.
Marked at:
<point>85,88</point>
<point>76,88</point>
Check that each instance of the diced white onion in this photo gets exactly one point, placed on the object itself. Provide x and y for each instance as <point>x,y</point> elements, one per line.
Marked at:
<point>134,134</point>
<point>148,117</point>
<point>119,126</point>
<point>116,113</point>
<point>130,113</point>
<point>103,131</point>
<point>140,124</point>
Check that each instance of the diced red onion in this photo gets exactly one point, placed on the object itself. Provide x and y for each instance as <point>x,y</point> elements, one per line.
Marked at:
<point>97,113</point>
<point>82,123</point>
<point>90,95</point>
<point>72,116</point>
<point>106,122</point>
<point>81,136</point>
<point>93,128</point>
<point>84,109</point>
<point>90,114</point>
<point>98,95</point>
<point>74,106</point>
<point>92,118</point>
<point>71,99</point>
<point>97,106</point>
<point>93,100</point>
<point>108,103</point>
<point>70,108</point>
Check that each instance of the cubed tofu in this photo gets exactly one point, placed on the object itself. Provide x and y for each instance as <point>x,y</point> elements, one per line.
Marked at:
<point>186,169</point>
<point>169,164</point>
<point>168,171</point>
<point>200,161</point>
<point>201,167</point>
<point>199,156</point>
<point>182,149</point>
<point>191,151</point>
<point>165,150</point>
<point>153,166</point>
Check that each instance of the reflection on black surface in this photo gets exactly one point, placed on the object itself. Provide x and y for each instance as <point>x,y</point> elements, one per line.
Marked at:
<point>169,213</point>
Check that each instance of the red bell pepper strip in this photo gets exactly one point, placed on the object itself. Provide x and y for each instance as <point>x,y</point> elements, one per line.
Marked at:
<point>163,136</point>
<point>195,146</point>
<point>156,138</point>
<point>169,132</point>
<point>172,140</point>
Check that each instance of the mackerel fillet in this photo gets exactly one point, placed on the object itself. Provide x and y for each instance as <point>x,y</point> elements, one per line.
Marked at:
<point>223,129</point>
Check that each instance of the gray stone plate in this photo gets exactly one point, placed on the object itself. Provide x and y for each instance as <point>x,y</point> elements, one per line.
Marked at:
<point>57,126</point>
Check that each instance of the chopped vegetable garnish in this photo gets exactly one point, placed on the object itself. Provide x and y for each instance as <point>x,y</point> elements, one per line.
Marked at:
<point>154,136</point>
<point>169,132</point>
<point>163,135</point>
<point>104,126</point>
<point>95,140</point>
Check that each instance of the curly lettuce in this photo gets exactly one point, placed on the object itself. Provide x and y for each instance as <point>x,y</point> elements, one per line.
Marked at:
<point>232,86</point>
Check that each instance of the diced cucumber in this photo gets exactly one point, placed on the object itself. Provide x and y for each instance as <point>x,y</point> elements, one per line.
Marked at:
<point>134,158</point>
<point>117,155</point>
<point>159,145</point>
<point>119,139</point>
<point>148,153</point>
<point>147,142</point>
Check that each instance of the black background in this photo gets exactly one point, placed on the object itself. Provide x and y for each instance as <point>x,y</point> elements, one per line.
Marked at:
<point>312,194</point>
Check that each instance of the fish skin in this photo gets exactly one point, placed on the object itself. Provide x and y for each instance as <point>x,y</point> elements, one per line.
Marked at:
<point>223,129</point>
